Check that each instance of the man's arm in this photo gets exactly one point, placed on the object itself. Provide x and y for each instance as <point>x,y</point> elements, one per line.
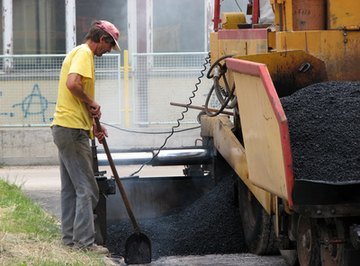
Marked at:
<point>74,84</point>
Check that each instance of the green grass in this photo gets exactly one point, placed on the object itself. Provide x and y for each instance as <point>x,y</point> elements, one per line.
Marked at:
<point>23,216</point>
<point>30,236</point>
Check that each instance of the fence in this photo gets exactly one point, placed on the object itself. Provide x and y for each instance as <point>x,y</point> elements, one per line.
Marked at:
<point>160,79</point>
<point>28,89</point>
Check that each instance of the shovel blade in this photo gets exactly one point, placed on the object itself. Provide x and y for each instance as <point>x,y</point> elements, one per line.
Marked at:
<point>138,249</point>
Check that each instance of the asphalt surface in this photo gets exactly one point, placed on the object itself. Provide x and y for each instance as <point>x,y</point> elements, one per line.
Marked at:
<point>42,184</point>
<point>323,123</point>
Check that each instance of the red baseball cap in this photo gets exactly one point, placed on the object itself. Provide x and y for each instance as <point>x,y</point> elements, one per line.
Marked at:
<point>112,31</point>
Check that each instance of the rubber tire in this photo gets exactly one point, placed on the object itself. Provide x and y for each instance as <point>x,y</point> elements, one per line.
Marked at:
<point>257,225</point>
<point>308,225</point>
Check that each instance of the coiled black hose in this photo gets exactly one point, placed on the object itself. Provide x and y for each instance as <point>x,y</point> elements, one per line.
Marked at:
<point>224,95</point>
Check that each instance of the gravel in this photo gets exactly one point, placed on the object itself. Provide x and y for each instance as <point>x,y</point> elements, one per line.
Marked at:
<point>211,225</point>
<point>324,125</point>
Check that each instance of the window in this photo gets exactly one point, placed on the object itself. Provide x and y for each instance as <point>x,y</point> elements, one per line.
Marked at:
<point>114,11</point>
<point>39,26</point>
<point>178,26</point>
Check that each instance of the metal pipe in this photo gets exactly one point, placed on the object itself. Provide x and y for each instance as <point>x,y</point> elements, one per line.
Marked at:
<point>186,156</point>
<point>256,12</point>
<point>126,89</point>
<point>125,158</point>
<point>182,157</point>
<point>202,108</point>
<point>216,18</point>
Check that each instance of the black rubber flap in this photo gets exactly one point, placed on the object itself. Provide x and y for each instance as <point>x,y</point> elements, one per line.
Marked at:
<point>314,193</point>
<point>138,249</point>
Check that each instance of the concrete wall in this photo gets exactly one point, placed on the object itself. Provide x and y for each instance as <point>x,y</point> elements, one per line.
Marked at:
<point>29,146</point>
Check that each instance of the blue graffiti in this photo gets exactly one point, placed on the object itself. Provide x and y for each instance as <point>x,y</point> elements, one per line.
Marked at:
<point>8,114</point>
<point>34,103</point>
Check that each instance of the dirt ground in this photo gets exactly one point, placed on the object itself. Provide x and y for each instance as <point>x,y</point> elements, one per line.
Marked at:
<point>42,184</point>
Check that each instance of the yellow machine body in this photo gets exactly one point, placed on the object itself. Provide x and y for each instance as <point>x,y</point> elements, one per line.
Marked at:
<point>262,118</point>
<point>293,15</point>
<point>338,49</point>
<point>220,129</point>
<point>231,20</point>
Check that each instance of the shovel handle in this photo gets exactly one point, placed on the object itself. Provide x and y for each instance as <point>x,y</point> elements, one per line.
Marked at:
<point>118,181</point>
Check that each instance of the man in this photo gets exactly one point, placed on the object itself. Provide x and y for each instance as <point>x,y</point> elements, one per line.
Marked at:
<point>72,127</point>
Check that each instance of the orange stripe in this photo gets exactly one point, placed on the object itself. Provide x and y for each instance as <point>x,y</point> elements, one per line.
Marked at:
<point>248,34</point>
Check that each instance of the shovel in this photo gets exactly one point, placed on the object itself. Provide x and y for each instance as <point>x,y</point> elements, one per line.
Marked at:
<point>138,245</point>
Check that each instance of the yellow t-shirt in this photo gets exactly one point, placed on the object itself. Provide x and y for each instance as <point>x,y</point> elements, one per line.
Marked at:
<point>70,112</point>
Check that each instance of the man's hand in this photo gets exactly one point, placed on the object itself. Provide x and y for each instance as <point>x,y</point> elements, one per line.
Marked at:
<point>101,133</point>
<point>94,109</point>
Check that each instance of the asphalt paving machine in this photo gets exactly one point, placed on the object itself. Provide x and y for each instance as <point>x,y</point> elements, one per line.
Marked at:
<point>253,65</point>
<point>286,46</point>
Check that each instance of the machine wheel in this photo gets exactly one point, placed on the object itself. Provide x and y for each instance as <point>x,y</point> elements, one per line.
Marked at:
<point>308,248</point>
<point>287,237</point>
<point>332,250</point>
<point>257,224</point>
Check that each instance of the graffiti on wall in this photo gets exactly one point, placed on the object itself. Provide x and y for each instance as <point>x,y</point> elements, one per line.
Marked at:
<point>9,114</point>
<point>33,105</point>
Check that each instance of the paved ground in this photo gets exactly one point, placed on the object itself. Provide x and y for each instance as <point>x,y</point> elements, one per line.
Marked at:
<point>42,184</point>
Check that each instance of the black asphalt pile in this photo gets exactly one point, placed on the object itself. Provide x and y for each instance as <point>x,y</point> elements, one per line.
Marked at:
<point>211,225</point>
<point>324,125</point>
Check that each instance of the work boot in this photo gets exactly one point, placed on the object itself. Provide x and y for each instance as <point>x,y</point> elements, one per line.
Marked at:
<point>95,248</point>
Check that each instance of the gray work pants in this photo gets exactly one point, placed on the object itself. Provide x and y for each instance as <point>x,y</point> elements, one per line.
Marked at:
<point>79,190</point>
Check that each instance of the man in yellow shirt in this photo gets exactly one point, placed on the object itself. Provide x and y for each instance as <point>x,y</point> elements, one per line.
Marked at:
<point>72,127</point>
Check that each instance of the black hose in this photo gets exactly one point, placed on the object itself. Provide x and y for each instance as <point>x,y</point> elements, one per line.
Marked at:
<point>223,95</point>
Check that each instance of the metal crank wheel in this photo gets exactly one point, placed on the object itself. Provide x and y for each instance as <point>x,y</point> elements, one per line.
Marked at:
<point>308,248</point>
<point>257,224</point>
